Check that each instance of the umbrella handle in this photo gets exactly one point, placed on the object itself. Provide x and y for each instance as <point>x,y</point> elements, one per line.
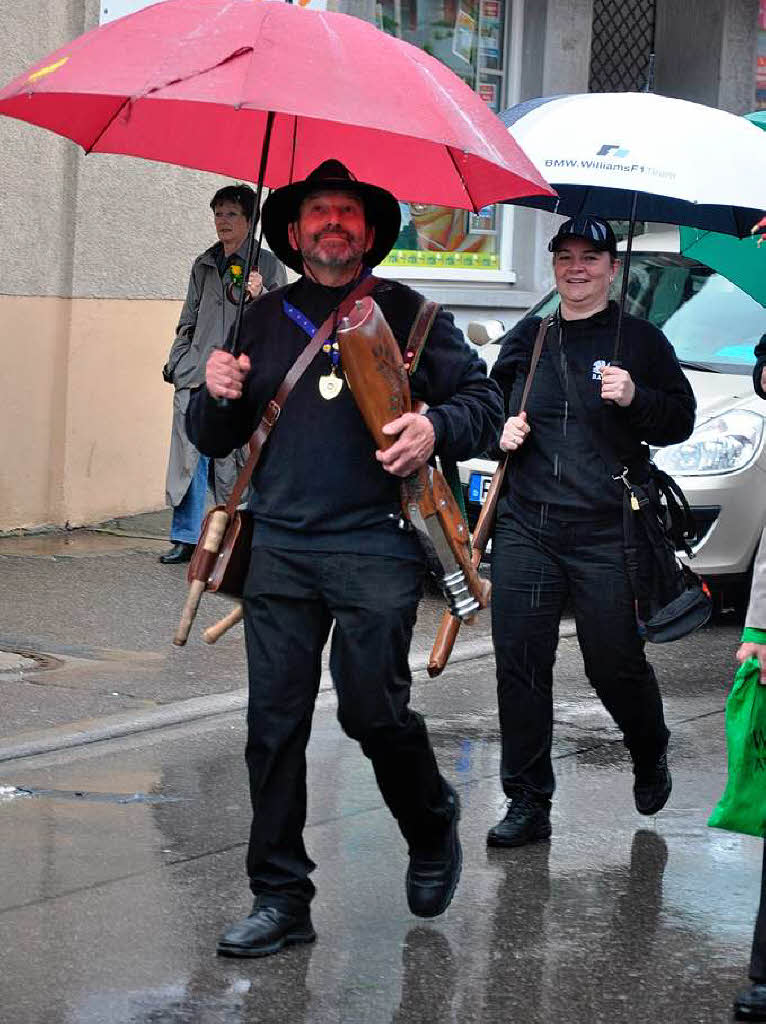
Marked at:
<point>232,343</point>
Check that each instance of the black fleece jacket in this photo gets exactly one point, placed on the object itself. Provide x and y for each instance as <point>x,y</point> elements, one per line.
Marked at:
<point>557,464</point>
<point>318,485</point>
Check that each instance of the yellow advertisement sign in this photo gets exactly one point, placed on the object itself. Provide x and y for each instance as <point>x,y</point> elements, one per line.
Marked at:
<point>429,258</point>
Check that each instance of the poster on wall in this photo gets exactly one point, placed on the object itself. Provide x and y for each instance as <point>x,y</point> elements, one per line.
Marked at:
<point>488,92</point>
<point>760,69</point>
<point>462,39</point>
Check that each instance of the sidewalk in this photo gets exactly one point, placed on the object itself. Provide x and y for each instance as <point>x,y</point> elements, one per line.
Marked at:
<point>86,622</point>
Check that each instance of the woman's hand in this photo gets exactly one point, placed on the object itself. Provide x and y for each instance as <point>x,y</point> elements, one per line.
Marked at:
<point>758,651</point>
<point>617,385</point>
<point>255,285</point>
<point>514,432</point>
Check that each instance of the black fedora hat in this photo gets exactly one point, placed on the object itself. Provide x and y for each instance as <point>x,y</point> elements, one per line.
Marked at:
<point>283,204</point>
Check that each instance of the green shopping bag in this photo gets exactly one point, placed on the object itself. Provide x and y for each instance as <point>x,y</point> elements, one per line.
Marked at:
<point>742,808</point>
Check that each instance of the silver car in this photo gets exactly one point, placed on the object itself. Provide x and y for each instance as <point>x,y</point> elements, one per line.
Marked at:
<point>713,326</point>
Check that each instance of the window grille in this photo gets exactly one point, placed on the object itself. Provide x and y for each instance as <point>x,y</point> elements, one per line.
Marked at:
<point>623,38</point>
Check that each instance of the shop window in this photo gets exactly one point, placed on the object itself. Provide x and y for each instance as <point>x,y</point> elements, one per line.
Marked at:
<point>469,37</point>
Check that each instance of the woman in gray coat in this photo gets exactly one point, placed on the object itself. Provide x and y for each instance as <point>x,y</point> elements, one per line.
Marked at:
<point>751,1004</point>
<point>207,315</point>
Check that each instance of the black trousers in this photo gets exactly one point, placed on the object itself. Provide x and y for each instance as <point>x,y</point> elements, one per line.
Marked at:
<point>537,564</point>
<point>758,954</point>
<point>291,601</point>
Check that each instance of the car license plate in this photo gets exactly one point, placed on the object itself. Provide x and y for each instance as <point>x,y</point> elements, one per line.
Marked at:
<point>478,485</point>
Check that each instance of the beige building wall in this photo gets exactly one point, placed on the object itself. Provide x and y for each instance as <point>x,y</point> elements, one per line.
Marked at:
<point>94,265</point>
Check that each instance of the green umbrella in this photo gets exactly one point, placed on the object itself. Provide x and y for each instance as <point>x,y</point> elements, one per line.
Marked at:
<point>738,259</point>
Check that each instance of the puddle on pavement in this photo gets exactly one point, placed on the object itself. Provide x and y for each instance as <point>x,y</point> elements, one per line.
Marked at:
<point>73,543</point>
<point>90,796</point>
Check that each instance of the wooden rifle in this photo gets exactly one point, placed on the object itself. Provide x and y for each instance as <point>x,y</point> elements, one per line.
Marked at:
<point>378,379</point>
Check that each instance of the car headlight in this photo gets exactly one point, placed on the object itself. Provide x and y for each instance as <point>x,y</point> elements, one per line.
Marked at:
<point>721,445</point>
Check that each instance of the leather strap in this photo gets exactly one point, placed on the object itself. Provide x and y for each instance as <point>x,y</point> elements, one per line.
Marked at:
<point>485,522</point>
<point>538,347</point>
<point>416,341</point>
<point>274,407</point>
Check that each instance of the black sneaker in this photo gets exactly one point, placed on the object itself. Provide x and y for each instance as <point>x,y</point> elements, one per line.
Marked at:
<point>266,930</point>
<point>651,788</point>
<point>433,874</point>
<point>751,1004</point>
<point>526,821</point>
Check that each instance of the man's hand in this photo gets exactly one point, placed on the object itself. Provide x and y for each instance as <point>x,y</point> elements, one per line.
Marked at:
<point>514,433</point>
<point>224,374</point>
<point>763,379</point>
<point>412,449</point>
<point>255,284</point>
<point>751,650</point>
<point>617,385</point>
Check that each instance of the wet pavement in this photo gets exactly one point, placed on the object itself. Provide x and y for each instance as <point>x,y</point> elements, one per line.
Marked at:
<point>122,860</point>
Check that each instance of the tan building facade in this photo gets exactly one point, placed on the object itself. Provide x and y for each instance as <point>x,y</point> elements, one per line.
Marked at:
<point>95,262</point>
<point>97,249</point>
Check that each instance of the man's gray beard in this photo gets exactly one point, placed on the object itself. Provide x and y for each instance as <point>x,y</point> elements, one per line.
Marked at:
<point>314,255</point>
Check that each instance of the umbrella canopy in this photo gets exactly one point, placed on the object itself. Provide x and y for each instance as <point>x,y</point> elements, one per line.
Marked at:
<point>738,259</point>
<point>685,163</point>
<point>191,82</point>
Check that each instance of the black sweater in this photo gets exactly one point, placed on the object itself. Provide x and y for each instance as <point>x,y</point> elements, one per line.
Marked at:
<point>318,485</point>
<point>557,465</point>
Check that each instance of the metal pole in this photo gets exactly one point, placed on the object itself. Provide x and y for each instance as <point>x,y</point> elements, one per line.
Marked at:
<point>648,87</point>
<point>233,347</point>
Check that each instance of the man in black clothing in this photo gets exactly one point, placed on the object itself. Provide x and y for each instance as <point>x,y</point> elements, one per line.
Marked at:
<point>329,548</point>
<point>559,531</point>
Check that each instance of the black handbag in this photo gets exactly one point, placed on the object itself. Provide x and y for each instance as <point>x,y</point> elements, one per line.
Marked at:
<point>671,599</point>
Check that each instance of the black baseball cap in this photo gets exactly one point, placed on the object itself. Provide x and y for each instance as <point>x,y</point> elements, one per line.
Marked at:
<point>593,229</point>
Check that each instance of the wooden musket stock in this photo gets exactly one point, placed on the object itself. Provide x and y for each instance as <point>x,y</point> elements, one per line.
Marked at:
<point>373,366</point>
<point>200,568</point>
<point>216,631</point>
<point>450,624</point>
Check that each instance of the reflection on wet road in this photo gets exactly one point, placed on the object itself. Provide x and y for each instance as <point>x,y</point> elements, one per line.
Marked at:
<point>109,907</point>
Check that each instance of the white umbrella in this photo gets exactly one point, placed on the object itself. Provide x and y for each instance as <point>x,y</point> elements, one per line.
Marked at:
<point>684,162</point>
<point>639,156</point>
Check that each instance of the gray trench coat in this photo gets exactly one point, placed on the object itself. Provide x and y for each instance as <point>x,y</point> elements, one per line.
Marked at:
<point>204,325</point>
<point>756,610</point>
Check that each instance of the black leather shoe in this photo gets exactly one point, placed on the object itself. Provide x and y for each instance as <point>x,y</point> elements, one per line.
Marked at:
<point>526,821</point>
<point>433,873</point>
<point>265,931</point>
<point>651,788</point>
<point>751,1004</point>
<point>180,552</point>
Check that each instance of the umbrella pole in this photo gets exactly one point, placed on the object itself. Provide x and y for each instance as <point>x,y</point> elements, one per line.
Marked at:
<point>625,278</point>
<point>648,87</point>
<point>233,345</point>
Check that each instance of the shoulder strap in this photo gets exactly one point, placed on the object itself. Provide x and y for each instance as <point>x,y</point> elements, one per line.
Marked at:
<point>293,375</point>
<point>418,335</point>
<point>486,518</point>
<point>542,331</point>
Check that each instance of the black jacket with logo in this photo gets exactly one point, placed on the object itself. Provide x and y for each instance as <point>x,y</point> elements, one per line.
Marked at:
<point>557,464</point>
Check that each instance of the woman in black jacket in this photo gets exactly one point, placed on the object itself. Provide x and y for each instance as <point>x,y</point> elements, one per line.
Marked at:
<point>559,532</point>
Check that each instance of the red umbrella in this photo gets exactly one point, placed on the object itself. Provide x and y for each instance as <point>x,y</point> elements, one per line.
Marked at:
<point>200,82</point>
